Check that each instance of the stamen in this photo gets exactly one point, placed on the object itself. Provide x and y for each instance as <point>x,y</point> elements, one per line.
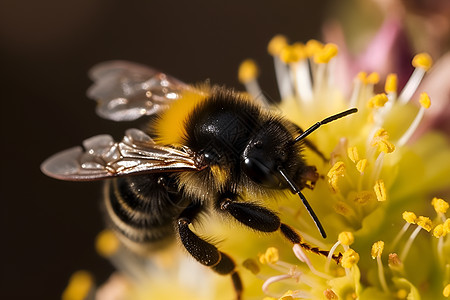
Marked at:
<point>390,87</point>
<point>373,78</point>
<point>345,239</point>
<point>276,45</point>
<point>302,76</point>
<point>248,74</point>
<point>301,255</point>
<point>322,59</point>
<point>395,263</point>
<point>349,259</point>
<point>378,100</point>
<point>380,140</point>
<point>335,172</point>
<point>377,250</point>
<point>271,256</point>
<point>352,153</point>
<point>439,231</point>
<point>422,62</point>
<point>81,284</point>
<point>272,280</point>
<point>295,55</point>
<point>408,244</point>
<point>313,47</point>
<point>324,55</point>
<point>380,190</point>
<point>358,81</point>
<point>425,104</point>
<point>446,291</point>
<point>361,165</point>
<point>440,205</point>
<point>447,225</point>
<point>400,234</point>
<point>425,223</point>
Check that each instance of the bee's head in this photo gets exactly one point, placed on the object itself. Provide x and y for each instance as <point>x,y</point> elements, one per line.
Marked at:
<point>270,150</point>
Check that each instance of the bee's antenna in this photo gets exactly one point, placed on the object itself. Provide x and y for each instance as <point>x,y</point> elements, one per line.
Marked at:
<point>297,191</point>
<point>324,121</point>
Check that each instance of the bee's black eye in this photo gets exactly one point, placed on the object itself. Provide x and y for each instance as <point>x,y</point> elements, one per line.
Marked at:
<point>260,173</point>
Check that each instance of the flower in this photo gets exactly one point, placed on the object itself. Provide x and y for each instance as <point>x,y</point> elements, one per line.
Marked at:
<point>376,174</point>
<point>374,190</point>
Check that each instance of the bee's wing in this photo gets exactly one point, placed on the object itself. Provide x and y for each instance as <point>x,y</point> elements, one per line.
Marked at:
<point>103,158</point>
<point>126,91</point>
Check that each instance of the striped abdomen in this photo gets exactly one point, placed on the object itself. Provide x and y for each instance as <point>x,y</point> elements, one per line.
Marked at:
<point>142,210</point>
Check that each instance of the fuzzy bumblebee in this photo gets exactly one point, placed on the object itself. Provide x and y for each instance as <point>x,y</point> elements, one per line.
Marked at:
<point>206,148</point>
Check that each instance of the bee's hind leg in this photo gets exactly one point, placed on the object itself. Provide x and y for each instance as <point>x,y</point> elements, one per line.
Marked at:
<point>204,252</point>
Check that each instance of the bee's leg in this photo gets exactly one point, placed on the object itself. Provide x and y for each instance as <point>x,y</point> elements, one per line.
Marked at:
<point>204,252</point>
<point>262,219</point>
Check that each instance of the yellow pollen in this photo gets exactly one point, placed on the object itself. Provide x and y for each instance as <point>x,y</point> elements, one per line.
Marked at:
<point>364,197</point>
<point>269,298</point>
<point>440,205</point>
<point>248,71</point>
<point>276,44</point>
<point>380,139</point>
<point>362,76</point>
<point>329,294</point>
<point>80,283</point>
<point>349,259</point>
<point>373,78</point>
<point>270,257</point>
<point>424,100</point>
<point>338,169</point>
<point>361,165</point>
<point>391,84</point>
<point>447,225</point>
<point>377,249</point>
<point>326,54</point>
<point>378,100</point>
<point>251,265</point>
<point>409,217</point>
<point>425,223</point>
<point>107,243</point>
<point>439,231</point>
<point>446,291</point>
<point>292,53</point>
<point>423,61</point>
<point>380,190</point>
<point>312,47</point>
<point>352,153</point>
<point>346,238</point>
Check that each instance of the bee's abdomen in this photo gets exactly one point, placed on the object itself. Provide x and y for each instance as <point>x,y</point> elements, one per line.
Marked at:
<point>140,210</point>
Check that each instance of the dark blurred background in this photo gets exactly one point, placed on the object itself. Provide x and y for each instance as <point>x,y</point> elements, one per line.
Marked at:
<point>47,47</point>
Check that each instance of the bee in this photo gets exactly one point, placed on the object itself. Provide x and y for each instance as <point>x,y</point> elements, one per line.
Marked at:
<point>206,148</point>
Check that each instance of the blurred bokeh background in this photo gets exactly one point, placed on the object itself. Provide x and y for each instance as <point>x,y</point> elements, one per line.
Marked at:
<point>46,49</point>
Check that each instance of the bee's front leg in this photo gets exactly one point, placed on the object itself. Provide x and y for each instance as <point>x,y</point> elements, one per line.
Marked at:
<point>262,219</point>
<point>204,252</point>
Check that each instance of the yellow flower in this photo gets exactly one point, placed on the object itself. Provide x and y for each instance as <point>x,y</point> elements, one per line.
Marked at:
<point>372,174</point>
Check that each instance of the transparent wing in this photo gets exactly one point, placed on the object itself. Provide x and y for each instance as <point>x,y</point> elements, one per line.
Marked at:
<point>126,91</point>
<point>102,158</point>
